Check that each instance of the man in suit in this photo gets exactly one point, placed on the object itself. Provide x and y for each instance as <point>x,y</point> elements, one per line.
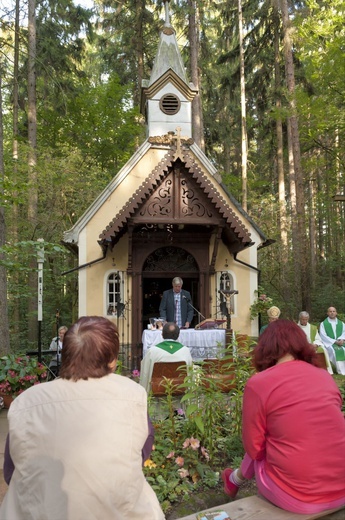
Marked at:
<point>176,305</point>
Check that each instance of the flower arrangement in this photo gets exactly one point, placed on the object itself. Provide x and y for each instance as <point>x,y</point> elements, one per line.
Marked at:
<point>17,373</point>
<point>261,304</point>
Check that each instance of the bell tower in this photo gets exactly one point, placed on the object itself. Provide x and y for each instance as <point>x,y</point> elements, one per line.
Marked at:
<point>166,99</point>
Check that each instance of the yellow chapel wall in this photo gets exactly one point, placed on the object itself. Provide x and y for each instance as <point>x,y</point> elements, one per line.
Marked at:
<point>92,279</point>
<point>92,290</point>
<point>245,281</point>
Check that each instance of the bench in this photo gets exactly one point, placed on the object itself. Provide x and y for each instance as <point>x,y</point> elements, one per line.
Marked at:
<point>218,373</point>
<point>175,371</point>
<point>257,508</point>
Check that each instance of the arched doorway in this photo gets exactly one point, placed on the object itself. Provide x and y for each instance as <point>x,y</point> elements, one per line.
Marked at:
<point>159,268</point>
<point>154,261</point>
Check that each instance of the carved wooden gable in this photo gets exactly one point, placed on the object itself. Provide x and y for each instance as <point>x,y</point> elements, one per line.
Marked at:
<point>178,192</point>
<point>178,199</point>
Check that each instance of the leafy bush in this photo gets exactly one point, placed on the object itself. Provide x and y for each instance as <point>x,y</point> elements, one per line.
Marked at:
<point>261,304</point>
<point>17,373</point>
<point>193,444</point>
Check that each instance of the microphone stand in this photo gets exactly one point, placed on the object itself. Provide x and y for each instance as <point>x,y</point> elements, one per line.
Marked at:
<point>196,310</point>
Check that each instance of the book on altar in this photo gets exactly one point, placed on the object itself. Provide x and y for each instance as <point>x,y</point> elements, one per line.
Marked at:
<point>209,323</point>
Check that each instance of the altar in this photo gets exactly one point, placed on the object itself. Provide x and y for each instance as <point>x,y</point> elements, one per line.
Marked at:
<point>203,344</point>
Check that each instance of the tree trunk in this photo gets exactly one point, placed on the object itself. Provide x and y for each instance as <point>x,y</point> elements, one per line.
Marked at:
<point>32,164</point>
<point>312,227</point>
<point>4,328</point>
<point>301,244</point>
<point>294,228</point>
<point>284,257</point>
<point>139,47</point>
<point>244,138</point>
<point>15,155</point>
<point>193,35</point>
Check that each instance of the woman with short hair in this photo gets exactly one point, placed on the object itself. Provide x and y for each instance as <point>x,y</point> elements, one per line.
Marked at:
<point>76,442</point>
<point>293,429</point>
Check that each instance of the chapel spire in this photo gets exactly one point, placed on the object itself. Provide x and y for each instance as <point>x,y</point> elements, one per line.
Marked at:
<point>167,96</point>
<point>168,54</point>
<point>167,14</point>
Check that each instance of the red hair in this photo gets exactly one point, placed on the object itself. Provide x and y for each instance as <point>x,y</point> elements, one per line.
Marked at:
<point>89,346</point>
<point>279,338</point>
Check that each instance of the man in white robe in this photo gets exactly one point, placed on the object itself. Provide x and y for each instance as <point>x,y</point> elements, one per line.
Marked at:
<point>313,337</point>
<point>167,351</point>
<point>332,333</point>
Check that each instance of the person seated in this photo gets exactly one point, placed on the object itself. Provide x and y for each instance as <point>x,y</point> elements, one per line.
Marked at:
<point>289,408</point>
<point>332,333</point>
<point>167,351</point>
<point>273,314</point>
<point>88,431</point>
<point>56,345</point>
<point>313,337</point>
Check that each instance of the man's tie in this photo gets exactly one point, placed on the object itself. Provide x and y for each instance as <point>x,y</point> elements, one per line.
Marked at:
<point>177,311</point>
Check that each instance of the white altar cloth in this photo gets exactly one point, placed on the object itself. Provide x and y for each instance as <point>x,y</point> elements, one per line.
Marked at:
<point>203,344</point>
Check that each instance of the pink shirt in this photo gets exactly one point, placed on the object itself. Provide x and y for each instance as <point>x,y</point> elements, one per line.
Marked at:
<point>292,418</point>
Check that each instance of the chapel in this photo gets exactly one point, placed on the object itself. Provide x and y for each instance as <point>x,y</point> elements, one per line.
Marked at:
<point>166,213</point>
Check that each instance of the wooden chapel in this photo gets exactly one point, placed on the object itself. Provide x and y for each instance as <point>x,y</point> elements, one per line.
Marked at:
<point>166,213</point>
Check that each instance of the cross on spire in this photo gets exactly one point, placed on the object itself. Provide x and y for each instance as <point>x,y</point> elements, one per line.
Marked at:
<point>167,17</point>
<point>177,138</point>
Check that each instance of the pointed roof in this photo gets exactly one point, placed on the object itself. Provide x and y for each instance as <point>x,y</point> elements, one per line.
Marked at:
<point>119,224</point>
<point>237,236</point>
<point>168,55</point>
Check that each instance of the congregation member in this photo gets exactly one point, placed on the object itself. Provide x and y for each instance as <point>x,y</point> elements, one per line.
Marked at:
<point>290,406</point>
<point>76,443</point>
<point>56,346</point>
<point>332,333</point>
<point>313,337</point>
<point>273,314</point>
<point>167,351</point>
<point>176,305</point>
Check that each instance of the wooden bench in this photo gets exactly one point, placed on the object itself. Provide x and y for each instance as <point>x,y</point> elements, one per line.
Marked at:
<point>257,508</point>
<point>175,371</point>
<point>218,373</point>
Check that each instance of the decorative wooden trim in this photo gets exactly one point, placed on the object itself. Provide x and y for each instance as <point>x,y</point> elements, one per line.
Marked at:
<point>153,191</point>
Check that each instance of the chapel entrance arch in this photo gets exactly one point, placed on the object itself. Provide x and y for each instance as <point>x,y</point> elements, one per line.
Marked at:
<point>152,266</point>
<point>159,268</point>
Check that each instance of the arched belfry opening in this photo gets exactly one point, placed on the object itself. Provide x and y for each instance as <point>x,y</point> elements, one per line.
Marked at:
<point>158,270</point>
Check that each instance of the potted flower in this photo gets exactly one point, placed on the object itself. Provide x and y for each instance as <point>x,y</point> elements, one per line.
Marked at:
<point>17,373</point>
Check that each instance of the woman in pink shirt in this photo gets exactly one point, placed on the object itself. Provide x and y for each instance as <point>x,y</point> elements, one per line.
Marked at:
<point>293,427</point>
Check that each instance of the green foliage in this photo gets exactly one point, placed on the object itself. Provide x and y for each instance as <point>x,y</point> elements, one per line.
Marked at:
<point>179,464</point>
<point>194,443</point>
<point>261,304</point>
<point>88,73</point>
<point>17,373</point>
<point>18,256</point>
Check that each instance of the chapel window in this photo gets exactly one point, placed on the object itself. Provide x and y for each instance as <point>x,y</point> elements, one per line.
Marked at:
<point>115,305</point>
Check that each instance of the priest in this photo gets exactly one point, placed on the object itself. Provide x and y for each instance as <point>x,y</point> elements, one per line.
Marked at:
<point>167,351</point>
<point>332,333</point>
